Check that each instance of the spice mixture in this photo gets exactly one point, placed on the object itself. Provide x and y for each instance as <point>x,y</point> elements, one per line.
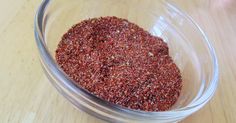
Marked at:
<point>120,62</point>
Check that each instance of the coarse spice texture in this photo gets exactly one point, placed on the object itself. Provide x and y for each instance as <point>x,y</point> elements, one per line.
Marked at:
<point>120,62</point>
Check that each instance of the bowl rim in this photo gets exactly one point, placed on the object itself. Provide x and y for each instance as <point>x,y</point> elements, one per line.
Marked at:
<point>53,68</point>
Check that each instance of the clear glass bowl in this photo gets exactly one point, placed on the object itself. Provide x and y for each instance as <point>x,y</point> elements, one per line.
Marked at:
<point>189,47</point>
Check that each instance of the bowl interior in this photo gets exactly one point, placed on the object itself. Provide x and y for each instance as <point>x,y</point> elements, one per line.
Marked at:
<point>186,44</point>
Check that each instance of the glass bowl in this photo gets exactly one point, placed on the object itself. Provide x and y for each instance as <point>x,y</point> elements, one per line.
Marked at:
<point>188,45</point>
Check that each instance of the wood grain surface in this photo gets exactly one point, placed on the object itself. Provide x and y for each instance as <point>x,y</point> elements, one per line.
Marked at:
<point>26,96</point>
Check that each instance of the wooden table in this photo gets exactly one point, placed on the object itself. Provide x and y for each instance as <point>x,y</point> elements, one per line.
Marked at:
<point>27,96</point>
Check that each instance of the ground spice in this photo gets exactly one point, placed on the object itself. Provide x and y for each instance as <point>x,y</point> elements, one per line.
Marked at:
<point>120,62</point>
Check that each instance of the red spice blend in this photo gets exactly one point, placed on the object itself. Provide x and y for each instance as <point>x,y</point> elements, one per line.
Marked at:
<point>120,62</point>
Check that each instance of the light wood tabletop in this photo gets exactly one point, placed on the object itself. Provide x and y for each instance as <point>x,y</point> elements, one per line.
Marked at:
<point>27,96</point>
